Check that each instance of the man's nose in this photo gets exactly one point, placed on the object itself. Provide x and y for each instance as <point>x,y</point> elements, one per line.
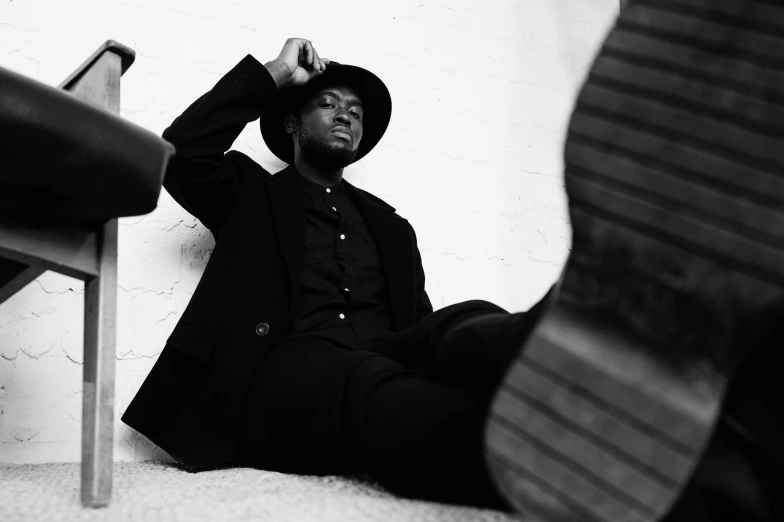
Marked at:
<point>343,117</point>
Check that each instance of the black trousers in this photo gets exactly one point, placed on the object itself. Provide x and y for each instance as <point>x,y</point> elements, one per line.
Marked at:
<point>407,408</point>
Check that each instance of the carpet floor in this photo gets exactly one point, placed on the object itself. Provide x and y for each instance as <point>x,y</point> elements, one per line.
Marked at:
<point>155,491</point>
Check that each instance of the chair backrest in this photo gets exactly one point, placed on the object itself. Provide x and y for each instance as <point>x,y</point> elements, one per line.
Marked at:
<point>89,81</point>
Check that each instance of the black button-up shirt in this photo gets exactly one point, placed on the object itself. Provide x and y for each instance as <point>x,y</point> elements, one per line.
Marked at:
<point>342,280</point>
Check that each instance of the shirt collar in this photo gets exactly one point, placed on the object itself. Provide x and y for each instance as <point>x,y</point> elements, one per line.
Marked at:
<point>305,183</point>
<point>290,175</point>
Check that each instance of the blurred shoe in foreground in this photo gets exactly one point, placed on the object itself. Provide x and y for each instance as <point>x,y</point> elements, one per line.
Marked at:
<point>674,285</point>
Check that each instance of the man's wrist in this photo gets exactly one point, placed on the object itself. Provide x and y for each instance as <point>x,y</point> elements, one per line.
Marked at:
<point>279,72</point>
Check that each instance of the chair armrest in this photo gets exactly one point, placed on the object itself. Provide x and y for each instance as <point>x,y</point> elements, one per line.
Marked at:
<point>127,56</point>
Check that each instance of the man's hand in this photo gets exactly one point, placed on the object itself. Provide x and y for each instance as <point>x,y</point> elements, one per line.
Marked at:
<point>296,64</point>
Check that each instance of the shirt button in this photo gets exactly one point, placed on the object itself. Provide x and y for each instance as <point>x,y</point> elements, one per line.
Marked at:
<point>342,236</point>
<point>334,209</point>
<point>342,316</point>
<point>328,191</point>
<point>262,329</point>
<point>346,289</point>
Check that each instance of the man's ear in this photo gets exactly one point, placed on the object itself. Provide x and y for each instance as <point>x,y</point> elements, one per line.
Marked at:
<point>292,123</point>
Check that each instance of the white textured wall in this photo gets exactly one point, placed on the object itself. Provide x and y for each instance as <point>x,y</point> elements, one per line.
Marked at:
<point>481,92</point>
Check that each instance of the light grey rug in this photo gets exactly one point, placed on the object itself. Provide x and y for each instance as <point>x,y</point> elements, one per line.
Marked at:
<point>154,491</point>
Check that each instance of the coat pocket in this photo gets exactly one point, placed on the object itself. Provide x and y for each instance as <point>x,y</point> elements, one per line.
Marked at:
<point>192,340</point>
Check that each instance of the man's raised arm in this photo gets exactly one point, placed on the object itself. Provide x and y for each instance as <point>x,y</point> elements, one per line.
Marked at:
<point>200,177</point>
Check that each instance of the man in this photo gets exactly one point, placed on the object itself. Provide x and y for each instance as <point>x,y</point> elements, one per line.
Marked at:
<point>310,345</point>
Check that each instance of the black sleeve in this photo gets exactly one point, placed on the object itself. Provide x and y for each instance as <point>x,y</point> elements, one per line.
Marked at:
<point>200,177</point>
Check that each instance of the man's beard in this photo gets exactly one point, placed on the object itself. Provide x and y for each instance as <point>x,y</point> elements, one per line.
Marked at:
<point>323,154</point>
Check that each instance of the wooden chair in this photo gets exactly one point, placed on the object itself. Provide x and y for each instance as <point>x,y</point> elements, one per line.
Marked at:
<point>69,168</point>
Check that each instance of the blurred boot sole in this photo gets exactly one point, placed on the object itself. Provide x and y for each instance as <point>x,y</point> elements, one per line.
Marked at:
<point>675,177</point>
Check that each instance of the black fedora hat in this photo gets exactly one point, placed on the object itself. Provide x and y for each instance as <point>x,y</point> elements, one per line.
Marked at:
<point>376,102</point>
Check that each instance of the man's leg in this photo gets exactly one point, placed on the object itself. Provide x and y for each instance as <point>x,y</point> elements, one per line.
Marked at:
<point>416,437</point>
<point>477,349</point>
<point>318,405</point>
<point>468,343</point>
<point>289,425</point>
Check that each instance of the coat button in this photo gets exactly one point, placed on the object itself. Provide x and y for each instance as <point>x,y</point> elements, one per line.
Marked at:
<point>262,329</point>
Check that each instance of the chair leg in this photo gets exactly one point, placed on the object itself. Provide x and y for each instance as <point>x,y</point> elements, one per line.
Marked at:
<point>100,318</point>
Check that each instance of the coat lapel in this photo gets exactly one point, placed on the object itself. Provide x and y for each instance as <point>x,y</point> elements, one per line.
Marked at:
<point>393,240</point>
<point>289,208</point>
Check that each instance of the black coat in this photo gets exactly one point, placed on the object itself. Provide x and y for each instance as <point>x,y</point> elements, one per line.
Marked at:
<point>192,402</point>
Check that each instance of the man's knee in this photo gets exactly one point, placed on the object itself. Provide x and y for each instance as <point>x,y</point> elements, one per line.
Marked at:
<point>382,395</point>
<point>478,306</point>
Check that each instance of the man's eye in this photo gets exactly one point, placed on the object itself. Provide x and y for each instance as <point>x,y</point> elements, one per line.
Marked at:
<point>326,105</point>
<point>355,114</point>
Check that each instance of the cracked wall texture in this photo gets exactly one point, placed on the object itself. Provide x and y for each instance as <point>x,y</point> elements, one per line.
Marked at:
<point>481,90</point>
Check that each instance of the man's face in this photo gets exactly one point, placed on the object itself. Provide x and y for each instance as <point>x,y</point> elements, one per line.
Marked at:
<point>329,128</point>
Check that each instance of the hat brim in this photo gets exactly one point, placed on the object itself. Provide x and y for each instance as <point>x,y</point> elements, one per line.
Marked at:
<point>376,102</point>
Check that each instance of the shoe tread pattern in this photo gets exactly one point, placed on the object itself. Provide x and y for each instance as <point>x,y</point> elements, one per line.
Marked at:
<point>675,178</point>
